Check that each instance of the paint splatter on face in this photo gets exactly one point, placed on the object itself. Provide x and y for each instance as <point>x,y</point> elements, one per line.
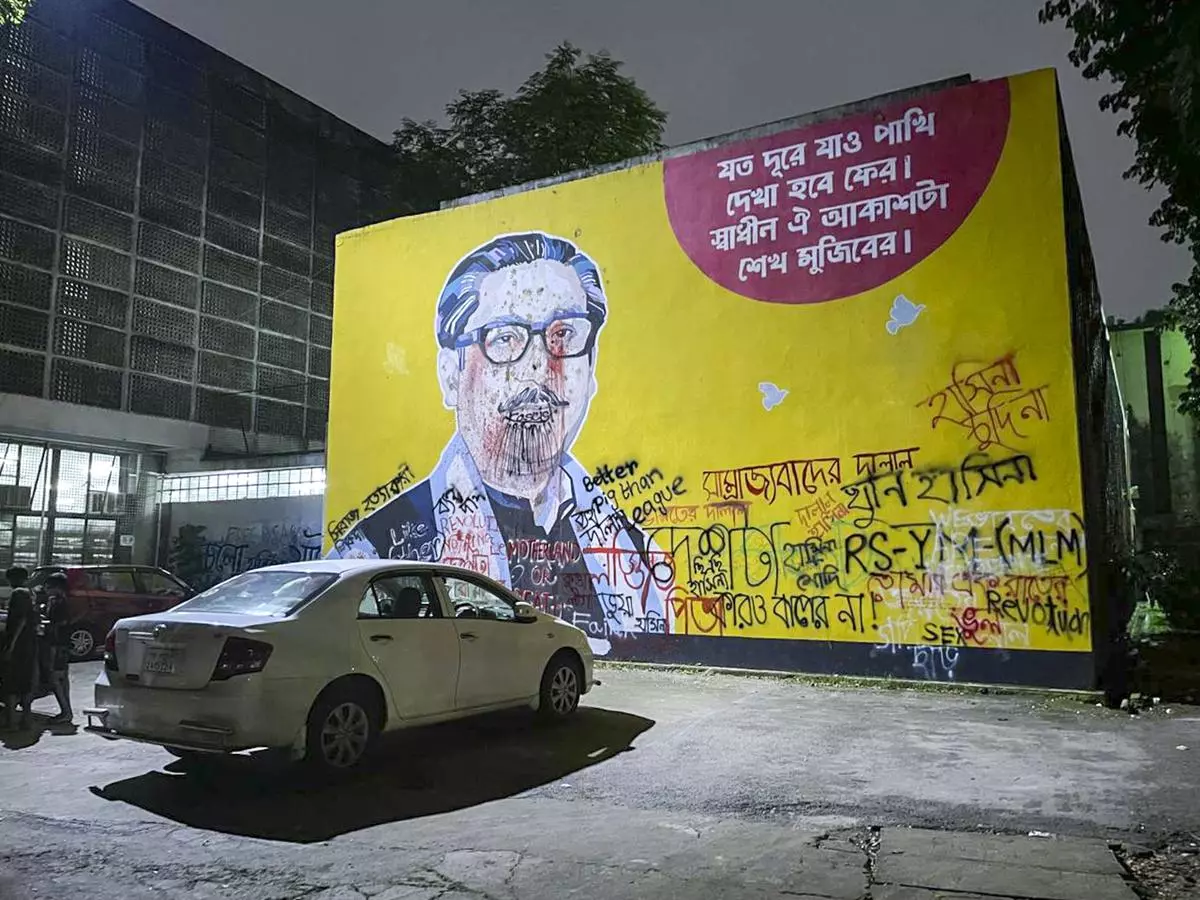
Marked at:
<point>531,442</point>
<point>519,418</point>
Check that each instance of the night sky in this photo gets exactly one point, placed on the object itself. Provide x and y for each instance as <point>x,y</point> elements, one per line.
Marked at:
<point>714,66</point>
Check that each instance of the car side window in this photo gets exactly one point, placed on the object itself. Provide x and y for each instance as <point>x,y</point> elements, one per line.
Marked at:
<point>160,585</point>
<point>111,581</point>
<point>400,597</point>
<point>472,600</point>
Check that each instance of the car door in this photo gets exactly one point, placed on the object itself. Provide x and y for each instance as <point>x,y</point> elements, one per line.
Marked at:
<point>112,594</point>
<point>498,656</point>
<point>415,646</point>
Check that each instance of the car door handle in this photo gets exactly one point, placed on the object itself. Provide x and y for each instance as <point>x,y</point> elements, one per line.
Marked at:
<point>467,636</point>
<point>381,637</point>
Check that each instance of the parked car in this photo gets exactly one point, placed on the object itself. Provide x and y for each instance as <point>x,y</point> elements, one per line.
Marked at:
<point>99,595</point>
<point>319,658</point>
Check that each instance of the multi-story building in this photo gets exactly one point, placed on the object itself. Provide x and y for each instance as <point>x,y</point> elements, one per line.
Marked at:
<point>167,221</point>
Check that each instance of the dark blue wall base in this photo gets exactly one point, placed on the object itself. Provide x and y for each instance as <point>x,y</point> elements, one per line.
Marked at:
<point>981,665</point>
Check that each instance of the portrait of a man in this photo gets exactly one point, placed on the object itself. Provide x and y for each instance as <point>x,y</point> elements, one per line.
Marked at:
<point>517,325</point>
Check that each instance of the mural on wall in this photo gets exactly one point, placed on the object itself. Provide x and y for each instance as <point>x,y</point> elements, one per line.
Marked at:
<point>696,408</point>
<point>517,327</point>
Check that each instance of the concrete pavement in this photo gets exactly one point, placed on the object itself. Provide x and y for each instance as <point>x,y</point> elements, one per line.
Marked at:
<point>666,784</point>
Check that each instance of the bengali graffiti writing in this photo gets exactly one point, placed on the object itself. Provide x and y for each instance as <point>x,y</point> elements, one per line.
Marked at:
<point>390,489</point>
<point>246,547</point>
<point>989,403</point>
<point>817,518</point>
<point>339,528</point>
<point>792,477</point>
<point>974,477</point>
<point>875,462</point>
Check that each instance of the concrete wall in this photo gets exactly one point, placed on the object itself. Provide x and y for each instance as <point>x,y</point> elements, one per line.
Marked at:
<point>52,420</point>
<point>815,407</point>
<point>1104,448</point>
<point>205,543</point>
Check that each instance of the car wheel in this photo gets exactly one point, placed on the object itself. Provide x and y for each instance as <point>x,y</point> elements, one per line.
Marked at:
<point>341,729</point>
<point>562,686</point>
<point>83,642</point>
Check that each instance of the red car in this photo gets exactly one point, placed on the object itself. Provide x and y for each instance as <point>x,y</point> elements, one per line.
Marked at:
<point>97,596</point>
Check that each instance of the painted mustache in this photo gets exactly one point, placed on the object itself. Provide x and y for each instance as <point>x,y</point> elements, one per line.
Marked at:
<point>531,405</point>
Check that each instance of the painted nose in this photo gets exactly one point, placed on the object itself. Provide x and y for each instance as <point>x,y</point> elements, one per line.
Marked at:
<point>537,355</point>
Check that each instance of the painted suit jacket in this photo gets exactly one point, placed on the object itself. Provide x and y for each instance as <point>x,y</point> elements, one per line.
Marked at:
<point>448,518</point>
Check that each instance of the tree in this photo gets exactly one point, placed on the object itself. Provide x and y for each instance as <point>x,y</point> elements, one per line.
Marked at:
<point>12,12</point>
<point>1150,50</point>
<point>573,114</point>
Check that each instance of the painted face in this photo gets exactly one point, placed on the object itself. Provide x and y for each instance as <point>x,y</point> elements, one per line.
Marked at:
<point>521,396</point>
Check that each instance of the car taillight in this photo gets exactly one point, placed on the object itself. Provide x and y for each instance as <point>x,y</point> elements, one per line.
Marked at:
<point>241,656</point>
<point>110,651</point>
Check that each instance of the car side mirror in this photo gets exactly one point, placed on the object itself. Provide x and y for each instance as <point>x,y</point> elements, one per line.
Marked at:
<point>526,612</point>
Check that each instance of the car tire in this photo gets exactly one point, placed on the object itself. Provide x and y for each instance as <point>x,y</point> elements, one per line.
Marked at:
<point>342,727</point>
<point>83,641</point>
<point>562,688</point>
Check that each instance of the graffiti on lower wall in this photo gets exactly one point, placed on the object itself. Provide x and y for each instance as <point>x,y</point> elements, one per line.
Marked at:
<point>203,560</point>
<point>762,437</point>
<point>825,560</point>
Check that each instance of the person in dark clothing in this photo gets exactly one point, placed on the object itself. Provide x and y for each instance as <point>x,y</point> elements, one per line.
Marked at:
<point>58,644</point>
<point>20,648</point>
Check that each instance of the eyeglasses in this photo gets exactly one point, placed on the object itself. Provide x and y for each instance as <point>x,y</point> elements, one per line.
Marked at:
<point>506,340</point>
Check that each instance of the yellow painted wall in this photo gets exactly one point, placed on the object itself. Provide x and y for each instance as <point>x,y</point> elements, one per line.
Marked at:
<point>679,364</point>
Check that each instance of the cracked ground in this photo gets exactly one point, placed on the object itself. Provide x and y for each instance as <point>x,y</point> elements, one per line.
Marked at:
<point>666,784</point>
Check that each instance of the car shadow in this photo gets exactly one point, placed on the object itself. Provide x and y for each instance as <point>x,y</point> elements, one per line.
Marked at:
<point>415,773</point>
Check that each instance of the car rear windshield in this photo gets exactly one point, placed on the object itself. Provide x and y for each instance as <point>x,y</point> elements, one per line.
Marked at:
<point>38,576</point>
<point>277,593</point>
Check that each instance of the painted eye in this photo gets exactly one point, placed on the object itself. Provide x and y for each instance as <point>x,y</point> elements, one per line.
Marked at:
<point>568,338</point>
<point>505,342</point>
<point>506,334</point>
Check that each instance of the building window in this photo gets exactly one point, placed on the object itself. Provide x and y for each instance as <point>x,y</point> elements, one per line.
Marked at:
<point>24,473</point>
<point>242,484</point>
<point>64,505</point>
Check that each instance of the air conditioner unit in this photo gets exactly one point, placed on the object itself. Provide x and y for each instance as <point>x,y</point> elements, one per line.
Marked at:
<point>15,496</point>
<point>102,503</point>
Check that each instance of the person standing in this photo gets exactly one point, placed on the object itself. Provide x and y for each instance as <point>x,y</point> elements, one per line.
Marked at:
<point>58,645</point>
<point>20,648</point>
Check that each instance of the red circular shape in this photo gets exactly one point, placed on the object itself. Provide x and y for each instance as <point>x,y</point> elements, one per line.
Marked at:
<point>906,177</point>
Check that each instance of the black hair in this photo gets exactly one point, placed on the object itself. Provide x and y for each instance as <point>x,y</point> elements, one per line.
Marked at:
<point>460,295</point>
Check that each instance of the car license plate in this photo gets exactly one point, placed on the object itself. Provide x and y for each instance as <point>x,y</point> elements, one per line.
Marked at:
<point>160,662</point>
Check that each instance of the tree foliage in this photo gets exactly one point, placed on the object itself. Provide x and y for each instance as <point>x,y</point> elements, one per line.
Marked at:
<point>12,12</point>
<point>575,113</point>
<point>1150,51</point>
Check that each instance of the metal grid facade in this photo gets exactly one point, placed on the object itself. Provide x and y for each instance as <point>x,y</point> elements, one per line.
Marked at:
<point>167,219</point>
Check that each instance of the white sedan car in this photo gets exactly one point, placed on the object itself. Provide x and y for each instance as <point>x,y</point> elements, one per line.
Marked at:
<point>320,657</point>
